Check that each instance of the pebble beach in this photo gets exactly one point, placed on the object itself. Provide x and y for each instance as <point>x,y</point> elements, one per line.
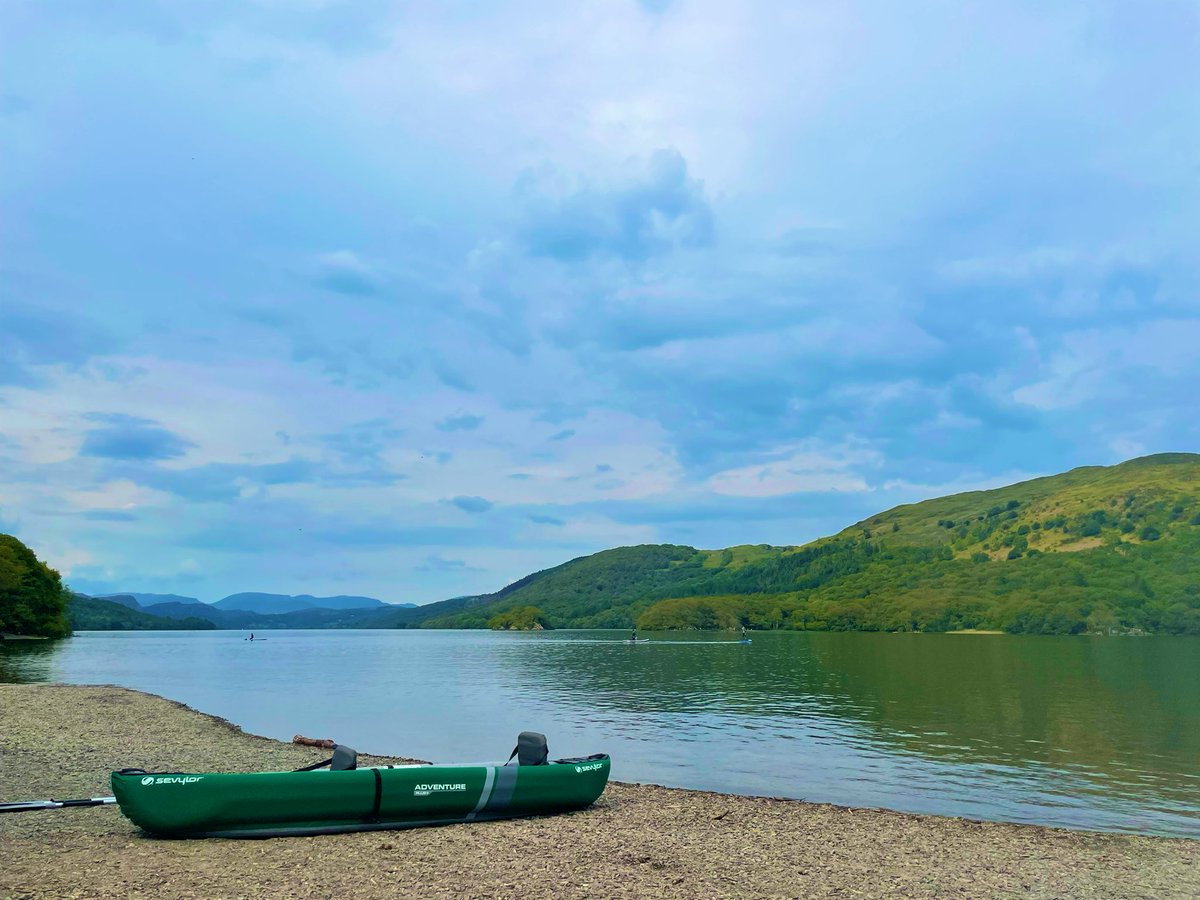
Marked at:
<point>638,841</point>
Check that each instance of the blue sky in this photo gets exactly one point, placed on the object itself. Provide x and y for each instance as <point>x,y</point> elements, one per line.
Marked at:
<point>410,300</point>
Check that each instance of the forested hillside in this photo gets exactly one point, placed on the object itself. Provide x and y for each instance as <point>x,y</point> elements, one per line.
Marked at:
<point>1098,549</point>
<point>107,614</point>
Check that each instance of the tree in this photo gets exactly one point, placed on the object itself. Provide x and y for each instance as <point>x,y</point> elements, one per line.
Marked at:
<point>32,599</point>
<point>1102,621</point>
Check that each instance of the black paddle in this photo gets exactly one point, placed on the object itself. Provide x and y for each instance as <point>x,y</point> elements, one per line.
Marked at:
<point>30,805</point>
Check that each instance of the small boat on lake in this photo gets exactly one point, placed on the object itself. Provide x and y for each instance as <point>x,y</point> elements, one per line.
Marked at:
<point>345,798</point>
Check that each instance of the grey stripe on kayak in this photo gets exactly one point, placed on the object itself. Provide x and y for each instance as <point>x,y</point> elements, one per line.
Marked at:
<point>486,793</point>
<point>506,780</point>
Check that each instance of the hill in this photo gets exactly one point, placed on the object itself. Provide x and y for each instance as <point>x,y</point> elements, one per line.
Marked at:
<point>127,600</point>
<point>274,604</point>
<point>175,610</point>
<point>1099,549</point>
<point>32,598</point>
<point>144,600</point>
<point>311,617</point>
<point>103,614</point>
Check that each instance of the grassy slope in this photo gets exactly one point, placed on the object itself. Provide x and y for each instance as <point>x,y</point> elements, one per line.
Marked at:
<point>604,590</point>
<point>1096,547</point>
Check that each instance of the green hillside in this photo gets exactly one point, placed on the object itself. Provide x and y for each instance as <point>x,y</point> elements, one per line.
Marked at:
<point>1098,549</point>
<point>95,614</point>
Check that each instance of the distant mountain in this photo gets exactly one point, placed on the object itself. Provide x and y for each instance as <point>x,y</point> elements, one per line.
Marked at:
<point>102,614</point>
<point>1101,549</point>
<point>275,604</point>
<point>145,599</point>
<point>213,616</point>
<point>311,617</point>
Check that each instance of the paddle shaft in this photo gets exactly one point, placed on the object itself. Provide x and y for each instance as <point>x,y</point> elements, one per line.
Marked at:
<point>30,805</point>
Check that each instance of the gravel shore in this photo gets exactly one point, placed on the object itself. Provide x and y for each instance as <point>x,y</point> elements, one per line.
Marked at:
<point>637,841</point>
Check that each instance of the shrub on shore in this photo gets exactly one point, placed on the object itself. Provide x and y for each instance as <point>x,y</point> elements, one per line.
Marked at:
<point>521,618</point>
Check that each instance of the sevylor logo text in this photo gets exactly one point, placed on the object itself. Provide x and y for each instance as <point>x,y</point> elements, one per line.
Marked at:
<point>590,767</point>
<point>171,779</point>
<point>424,790</point>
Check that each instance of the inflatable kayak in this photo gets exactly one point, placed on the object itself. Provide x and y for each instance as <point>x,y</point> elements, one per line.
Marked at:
<point>346,798</point>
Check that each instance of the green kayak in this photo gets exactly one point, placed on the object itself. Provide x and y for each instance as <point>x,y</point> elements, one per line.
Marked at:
<point>268,804</point>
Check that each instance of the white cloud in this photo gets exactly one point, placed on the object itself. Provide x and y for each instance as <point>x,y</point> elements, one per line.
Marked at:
<point>800,471</point>
<point>901,490</point>
<point>915,219</point>
<point>1093,364</point>
<point>120,495</point>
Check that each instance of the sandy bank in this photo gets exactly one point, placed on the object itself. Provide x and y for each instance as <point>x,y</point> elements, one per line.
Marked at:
<point>976,631</point>
<point>638,841</point>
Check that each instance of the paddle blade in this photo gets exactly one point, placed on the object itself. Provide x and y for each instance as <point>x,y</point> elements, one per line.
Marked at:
<point>26,806</point>
<point>30,805</point>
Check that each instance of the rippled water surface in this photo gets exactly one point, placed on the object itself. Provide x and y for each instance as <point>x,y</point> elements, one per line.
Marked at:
<point>1080,732</point>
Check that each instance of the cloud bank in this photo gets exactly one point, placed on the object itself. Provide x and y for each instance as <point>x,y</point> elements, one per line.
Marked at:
<point>410,302</point>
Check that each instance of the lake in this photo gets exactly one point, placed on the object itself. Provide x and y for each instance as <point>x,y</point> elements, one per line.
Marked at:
<point>1099,733</point>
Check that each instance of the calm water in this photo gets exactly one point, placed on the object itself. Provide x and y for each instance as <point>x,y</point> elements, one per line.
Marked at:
<point>1080,732</point>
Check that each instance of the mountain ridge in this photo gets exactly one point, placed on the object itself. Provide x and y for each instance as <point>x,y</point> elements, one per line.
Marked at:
<point>144,599</point>
<point>259,602</point>
<point>175,605</point>
<point>1100,549</point>
<point>1097,548</point>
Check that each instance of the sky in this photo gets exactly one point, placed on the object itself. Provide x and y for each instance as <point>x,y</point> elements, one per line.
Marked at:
<point>411,300</point>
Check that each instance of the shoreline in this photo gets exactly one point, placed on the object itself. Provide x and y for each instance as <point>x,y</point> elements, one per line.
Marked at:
<point>637,840</point>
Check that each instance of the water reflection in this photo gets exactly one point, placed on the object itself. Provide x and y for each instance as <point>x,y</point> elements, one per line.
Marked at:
<point>1060,723</point>
<point>1012,699</point>
<point>26,661</point>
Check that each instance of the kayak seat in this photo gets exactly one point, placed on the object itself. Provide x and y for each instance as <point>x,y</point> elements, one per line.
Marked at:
<point>531,750</point>
<point>344,759</point>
